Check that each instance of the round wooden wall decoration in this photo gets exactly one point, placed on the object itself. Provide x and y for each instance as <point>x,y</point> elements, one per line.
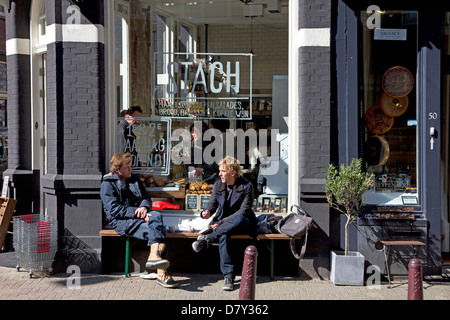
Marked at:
<point>376,151</point>
<point>377,121</point>
<point>398,81</point>
<point>392,106</point>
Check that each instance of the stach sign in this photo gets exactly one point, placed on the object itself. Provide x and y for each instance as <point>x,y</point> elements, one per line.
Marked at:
<point>202,85</point>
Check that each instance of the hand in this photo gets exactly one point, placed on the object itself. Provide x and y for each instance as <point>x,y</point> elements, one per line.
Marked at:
<point>197,172</point>
<point>206,214</point>
<point>215,225</point>
<point>141,212</point>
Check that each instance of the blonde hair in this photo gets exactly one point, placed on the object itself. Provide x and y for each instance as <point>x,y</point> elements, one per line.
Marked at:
<point>118,160</point>
<point>232,164</point>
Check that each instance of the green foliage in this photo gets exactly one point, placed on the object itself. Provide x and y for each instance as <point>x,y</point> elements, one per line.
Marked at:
<point>345,188</point>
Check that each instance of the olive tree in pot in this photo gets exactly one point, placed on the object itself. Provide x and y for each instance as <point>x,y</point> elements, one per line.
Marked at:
<point>344,190</point>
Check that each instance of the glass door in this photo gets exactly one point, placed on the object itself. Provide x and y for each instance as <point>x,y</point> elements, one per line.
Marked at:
<point>445,144</point>
<point>401,116</point>
<point>389,108</point>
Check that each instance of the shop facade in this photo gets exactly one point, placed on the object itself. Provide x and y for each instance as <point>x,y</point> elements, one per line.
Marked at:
<point>304,77</point>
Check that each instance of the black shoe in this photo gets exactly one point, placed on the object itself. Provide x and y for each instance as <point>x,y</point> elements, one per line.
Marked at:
<point>228,284</point>
<point>201,242</point>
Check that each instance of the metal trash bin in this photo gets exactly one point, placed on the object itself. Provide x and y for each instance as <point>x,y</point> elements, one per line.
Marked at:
<point>35,239</point>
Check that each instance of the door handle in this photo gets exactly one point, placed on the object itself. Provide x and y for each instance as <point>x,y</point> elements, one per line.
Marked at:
<point>433,132</point>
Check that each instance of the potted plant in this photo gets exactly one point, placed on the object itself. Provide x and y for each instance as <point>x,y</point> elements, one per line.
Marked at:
<point>344,190</point>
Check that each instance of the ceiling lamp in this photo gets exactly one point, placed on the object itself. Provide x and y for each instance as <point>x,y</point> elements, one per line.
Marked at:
<point>246,1</point>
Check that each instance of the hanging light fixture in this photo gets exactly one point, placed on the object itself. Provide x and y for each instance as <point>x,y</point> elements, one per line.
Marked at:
<point>246,1</point>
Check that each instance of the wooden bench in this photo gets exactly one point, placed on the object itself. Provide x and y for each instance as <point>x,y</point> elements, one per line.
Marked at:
<point>386,250</point>
<point>193,235</point>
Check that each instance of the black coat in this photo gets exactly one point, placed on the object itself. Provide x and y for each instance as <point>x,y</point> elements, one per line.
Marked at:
<point>240,203</point>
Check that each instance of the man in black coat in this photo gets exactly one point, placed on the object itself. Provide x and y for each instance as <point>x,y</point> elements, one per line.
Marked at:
<point>231,201</point>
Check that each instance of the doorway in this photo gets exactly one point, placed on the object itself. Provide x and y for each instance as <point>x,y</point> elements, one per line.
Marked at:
<point>39,40</point>
<point>445,143</point>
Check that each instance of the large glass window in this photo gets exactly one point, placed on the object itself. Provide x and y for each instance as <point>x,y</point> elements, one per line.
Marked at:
<point>121,53</point>
<point>389,105</point>
<point>189,67</point>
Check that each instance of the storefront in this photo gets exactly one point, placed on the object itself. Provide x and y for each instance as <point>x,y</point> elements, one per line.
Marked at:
<point>305,83</point>
<point>226,81</point>
<point>396,92</point>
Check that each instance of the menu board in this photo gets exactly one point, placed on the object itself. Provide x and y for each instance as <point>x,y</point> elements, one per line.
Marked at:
<point>191,202</point>
<point>204,199</point>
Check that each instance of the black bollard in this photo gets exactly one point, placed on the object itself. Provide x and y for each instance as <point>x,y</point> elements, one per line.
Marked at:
<point>248,279</point>
<point>415,287</point>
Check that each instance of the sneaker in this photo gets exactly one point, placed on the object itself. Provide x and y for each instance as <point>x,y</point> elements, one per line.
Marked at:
<point>201,242</point>
<point>228,284</point>
<point>149,276</point>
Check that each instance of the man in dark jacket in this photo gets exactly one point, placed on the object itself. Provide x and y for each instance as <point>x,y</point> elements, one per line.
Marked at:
<point>128,208</point>
<point>231,201</point>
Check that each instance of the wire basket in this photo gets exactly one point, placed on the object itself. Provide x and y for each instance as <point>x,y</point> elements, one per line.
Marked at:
<point>35,242</point>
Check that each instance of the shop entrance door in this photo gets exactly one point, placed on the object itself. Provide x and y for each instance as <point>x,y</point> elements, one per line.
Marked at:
<point>402,117</point>
<point>445,142</point>
<point>430,119</point>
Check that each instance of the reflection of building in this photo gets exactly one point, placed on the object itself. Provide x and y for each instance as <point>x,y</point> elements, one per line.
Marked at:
<point>3,95</point>
<point>72,69</point>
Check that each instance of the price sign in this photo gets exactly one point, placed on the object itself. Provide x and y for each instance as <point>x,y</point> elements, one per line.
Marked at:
<point>191,202</point>
<point>204,199</point>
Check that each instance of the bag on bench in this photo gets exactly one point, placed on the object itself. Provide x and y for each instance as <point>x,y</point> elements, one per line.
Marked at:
<point>267,223</point>
<point>296,225</point>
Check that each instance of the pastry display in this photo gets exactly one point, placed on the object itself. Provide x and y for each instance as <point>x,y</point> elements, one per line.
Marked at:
<point>199,187</point>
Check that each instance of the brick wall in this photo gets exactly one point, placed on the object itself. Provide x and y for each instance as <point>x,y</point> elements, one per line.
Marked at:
<point>75,112</point>
<point>19,90</point>
<point>314,130</point>
<point>75,95</point>
<point>314,92</point>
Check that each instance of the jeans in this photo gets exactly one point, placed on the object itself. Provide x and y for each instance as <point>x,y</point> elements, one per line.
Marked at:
<point>222,234</point>
<point>152,231</point>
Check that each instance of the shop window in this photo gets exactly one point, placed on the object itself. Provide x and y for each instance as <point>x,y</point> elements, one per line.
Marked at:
<point>3,78</point>
<point>121,53</point>
<point>197,69</point>
<point>185,40</point>
<point>42,22</point>
<point>389,106</point>
<point>161,43</point>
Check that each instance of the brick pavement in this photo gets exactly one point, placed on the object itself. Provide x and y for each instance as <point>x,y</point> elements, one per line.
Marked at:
<point>17,285</point>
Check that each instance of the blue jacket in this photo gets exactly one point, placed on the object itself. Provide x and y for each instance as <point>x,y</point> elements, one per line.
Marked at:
<point>120,205</point>
<point>240,203</point>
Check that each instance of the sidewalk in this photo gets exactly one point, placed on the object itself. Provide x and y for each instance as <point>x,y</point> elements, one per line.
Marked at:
<point>17,285</point>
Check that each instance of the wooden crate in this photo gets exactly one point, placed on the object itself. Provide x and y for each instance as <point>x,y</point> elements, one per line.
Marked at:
<point>7,207</point>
